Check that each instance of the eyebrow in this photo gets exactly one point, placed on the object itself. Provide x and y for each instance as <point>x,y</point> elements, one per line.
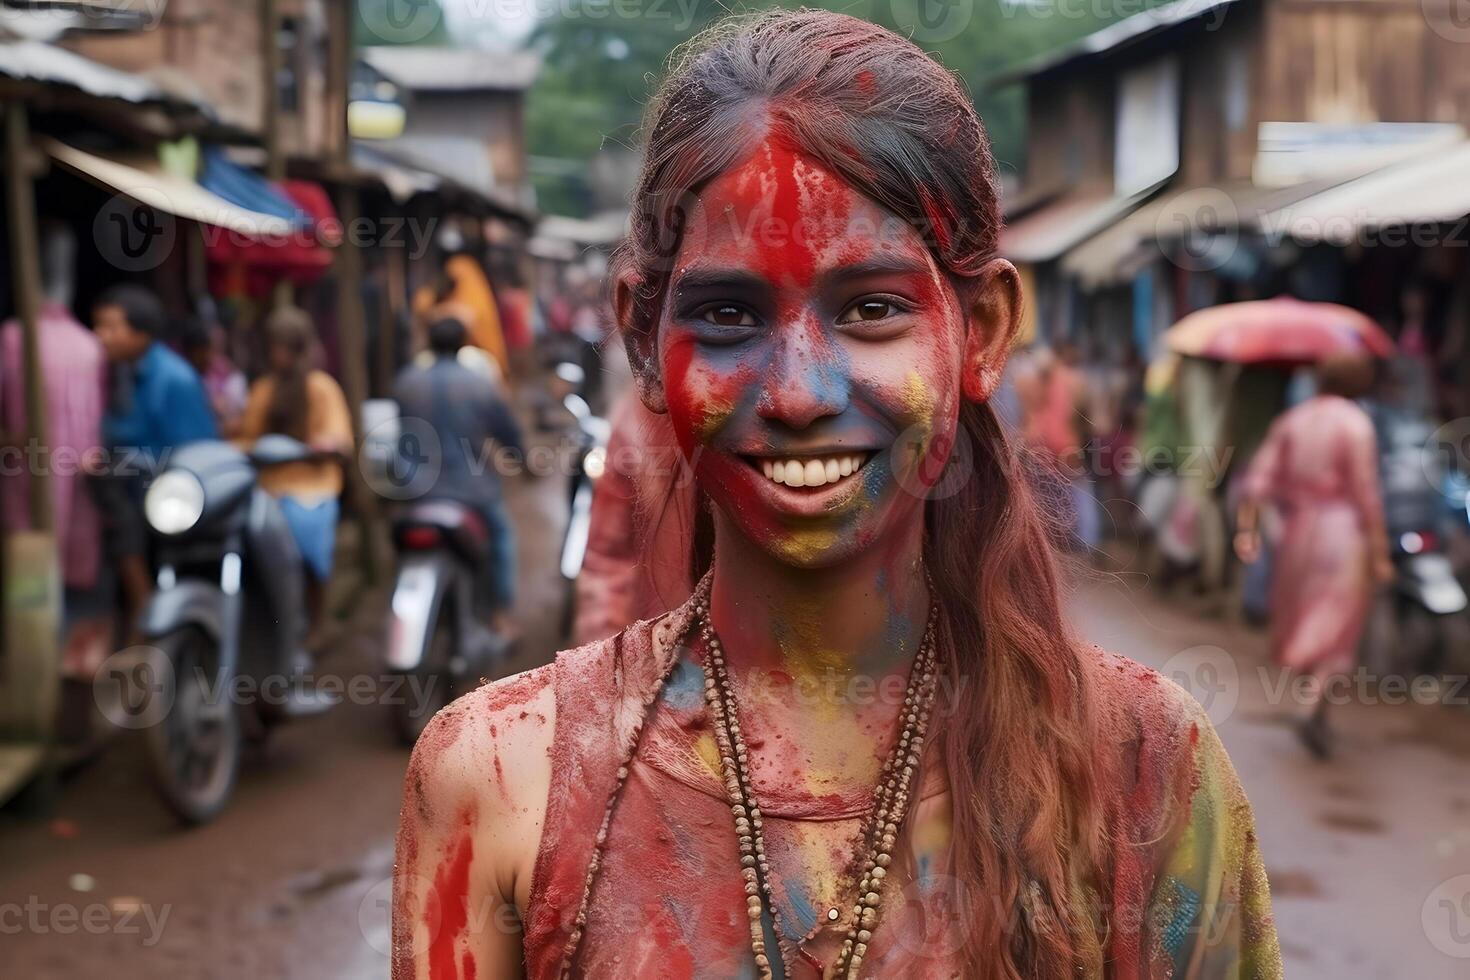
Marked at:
<point>720,279</point>
<point>735,278</point>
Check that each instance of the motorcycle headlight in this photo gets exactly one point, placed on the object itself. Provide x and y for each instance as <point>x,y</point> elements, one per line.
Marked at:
<point>174,503</point>
<point>596,463</point>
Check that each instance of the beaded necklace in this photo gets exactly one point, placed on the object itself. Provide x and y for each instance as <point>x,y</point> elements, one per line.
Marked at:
<point>890,803</point>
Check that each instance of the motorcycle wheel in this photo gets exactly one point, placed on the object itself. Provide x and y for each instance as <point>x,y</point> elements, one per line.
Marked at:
<point>194,744</point>
<point>427,689</point>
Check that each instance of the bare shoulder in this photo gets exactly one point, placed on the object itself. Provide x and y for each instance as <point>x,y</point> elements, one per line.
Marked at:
<point>1137,703</point>
<point>485,761</point>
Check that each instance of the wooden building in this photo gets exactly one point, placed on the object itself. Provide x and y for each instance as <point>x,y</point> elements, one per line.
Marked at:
<point>1196,130</point>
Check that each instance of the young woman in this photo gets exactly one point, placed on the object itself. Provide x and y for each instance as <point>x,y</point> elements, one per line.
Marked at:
<point>1319,462</point>
<point>868,745</point>
<point>303,402</point>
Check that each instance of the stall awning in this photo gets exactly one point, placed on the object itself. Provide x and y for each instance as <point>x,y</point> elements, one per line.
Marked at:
<point>1052,229</point>
<point>1432,189</point>
<point>1115,254</point>
<point>144,181</point>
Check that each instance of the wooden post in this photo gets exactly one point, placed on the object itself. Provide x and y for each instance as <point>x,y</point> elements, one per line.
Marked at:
<point>284,294</point>
<point>351,337</point>
<point>26,270</point>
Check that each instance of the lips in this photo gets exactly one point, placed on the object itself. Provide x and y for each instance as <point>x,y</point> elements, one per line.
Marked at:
<point>811,471</point>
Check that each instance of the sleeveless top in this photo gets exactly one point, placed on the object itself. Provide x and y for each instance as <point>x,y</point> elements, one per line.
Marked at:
<point>669,899</point>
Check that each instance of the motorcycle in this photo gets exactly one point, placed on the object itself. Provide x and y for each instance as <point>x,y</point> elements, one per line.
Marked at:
<point>228,612</point>
<point>1425,592</point>
<point>590,439</point>
<point>437,638</point>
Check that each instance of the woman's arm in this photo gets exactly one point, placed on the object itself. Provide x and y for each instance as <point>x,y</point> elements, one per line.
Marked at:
<point>1260,486</point>
<point>1210,912</point>
<point>473,804</point>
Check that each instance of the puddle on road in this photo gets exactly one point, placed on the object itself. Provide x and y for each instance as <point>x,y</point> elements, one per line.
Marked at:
<point>317,883</point>
<point>1294,884</point>
<point>1356,823</point>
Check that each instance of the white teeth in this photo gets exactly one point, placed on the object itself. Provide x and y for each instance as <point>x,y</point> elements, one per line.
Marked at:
<point>811,472</point>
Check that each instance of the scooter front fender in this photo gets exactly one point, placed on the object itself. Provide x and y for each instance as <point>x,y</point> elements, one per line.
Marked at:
<point>188,602</point>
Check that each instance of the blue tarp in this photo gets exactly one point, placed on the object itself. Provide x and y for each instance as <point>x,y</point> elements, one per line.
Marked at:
<point>248,189</point>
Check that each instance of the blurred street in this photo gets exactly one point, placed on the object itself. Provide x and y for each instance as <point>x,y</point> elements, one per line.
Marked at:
<point>293,880</point>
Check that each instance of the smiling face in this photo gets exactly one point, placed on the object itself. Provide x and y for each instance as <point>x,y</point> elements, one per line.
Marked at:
<point>811,354</point>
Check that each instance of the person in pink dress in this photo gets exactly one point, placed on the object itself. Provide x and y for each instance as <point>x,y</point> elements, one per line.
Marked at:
<point>1319,466</point>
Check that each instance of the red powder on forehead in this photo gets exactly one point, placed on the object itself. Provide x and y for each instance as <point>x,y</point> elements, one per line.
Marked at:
<point>795,207</point>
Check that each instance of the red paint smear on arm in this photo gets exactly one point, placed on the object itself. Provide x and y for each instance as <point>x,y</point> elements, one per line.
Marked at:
<point>448,906</point>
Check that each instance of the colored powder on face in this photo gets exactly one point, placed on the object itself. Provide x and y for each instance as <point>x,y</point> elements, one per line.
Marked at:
<point>448,905</point>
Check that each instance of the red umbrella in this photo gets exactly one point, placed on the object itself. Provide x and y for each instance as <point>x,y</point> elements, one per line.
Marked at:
<point>1277,331</point>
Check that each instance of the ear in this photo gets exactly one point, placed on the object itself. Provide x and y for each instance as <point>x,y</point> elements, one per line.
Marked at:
<point>994,323</point>
<point>640,340</point>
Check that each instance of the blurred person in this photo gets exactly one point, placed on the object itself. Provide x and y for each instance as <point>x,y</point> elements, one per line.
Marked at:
<point>643,516</point>
<point>73,377</point>
<point>298,400</point>
<point>205,347</point>
<point>469,417</point>
<point>156,402</point>
<point>1057,430</point>
<point>1059,812</point>
<point>463,293</point>
<point>1319,466</point>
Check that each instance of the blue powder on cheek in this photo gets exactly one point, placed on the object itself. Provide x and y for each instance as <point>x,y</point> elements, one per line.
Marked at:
<point>685,689</point>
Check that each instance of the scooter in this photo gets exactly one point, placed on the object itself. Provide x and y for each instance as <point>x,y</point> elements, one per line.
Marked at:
<point>226,622</point>
<point>591,437</point>
<point>438,640</point>
<point>1426,592</point>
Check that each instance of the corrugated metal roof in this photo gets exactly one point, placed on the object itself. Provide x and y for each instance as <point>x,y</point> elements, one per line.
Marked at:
<point>439,69</point>
<point>1430,190</point>
<point>1050,230</point>
<point>1126,31</point>
<point>36,61</point>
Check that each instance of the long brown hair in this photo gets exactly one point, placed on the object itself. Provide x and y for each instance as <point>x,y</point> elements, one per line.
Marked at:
<point>290,328</point>
<point>1017,736</point>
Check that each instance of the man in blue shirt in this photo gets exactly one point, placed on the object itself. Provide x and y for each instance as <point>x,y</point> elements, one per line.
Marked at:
<point>157,402</point>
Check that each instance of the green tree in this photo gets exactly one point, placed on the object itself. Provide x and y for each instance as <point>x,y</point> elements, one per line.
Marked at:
<point>400,22</point>
<point>601,60</point>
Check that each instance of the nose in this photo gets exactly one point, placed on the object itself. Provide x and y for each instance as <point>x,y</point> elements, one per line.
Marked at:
<point>807,380</point>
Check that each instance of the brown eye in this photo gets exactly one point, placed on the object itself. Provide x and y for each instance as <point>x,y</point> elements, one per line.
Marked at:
<point>867,310</point>
<point>729,315</point>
